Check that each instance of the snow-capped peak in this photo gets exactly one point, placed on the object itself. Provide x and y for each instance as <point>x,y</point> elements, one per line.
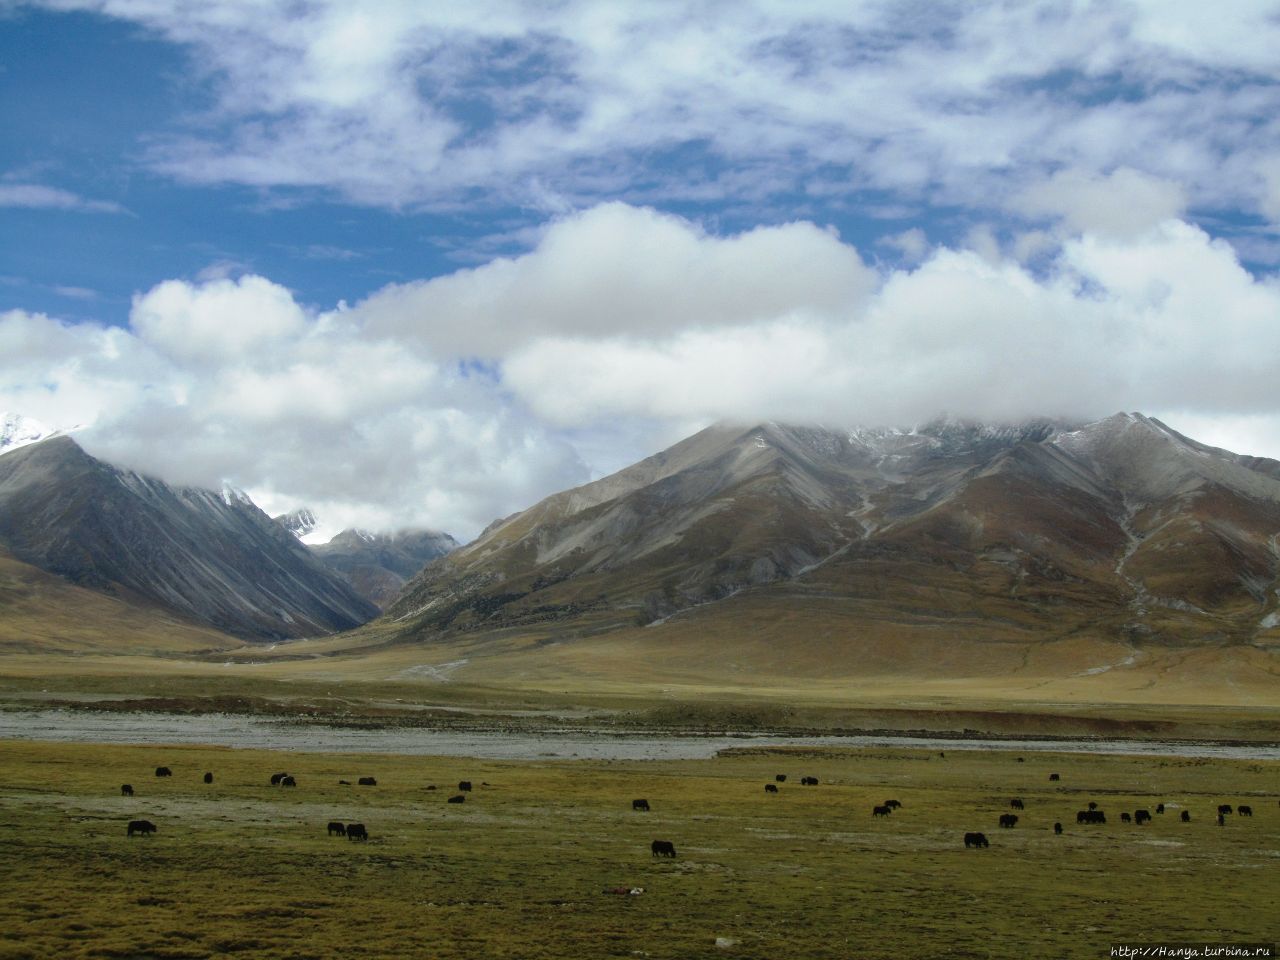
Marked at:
<point>300,522</point>
<point>18,431</point>
<point>232,495</point>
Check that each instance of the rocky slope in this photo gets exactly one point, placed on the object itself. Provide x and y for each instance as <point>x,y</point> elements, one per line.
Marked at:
<point>212,557</point>
<point>1121,529</point>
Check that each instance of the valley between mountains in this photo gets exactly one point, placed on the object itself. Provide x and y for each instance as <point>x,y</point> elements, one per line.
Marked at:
<point>1116,561</point>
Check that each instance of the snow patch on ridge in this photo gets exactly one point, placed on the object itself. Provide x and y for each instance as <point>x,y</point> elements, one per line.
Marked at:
<point>233,496</point>
<point>19,431</point>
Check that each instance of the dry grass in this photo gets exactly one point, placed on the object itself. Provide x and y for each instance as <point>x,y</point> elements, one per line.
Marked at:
<point>805,647</point>
<point>43,615</point>
<point>240,869</point>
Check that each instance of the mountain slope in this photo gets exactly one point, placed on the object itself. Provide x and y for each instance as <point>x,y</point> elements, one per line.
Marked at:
<point>378,564</point>
<point>44,615</point>
<point>211,557</point>
<point>1120,530</point>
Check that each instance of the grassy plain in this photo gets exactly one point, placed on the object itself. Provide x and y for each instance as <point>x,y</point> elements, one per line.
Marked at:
<point>519,870</point>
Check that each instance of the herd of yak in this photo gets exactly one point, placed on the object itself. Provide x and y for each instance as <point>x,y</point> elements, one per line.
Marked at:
<point>665,848</point>
<point>352,831</point>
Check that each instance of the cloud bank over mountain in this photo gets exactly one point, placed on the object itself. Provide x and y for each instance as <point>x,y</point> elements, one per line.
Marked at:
<point>451,401</point>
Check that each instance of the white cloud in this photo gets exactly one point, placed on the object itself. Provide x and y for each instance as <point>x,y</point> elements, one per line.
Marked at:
<point>1269,168</point>
<point>1254,434</point>
<point>68,375</point>
<point>1139,323</point>
<point>39,197</point>
<point>1123,203</point>
<point>397,104</point>
<point>912,244</point>
<point>304,410</point>
<point>618,269</point>
<point>219,319</point>
<point>458,400</point>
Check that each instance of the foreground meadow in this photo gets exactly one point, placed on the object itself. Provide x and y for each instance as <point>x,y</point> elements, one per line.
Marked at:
<point>521,869</point>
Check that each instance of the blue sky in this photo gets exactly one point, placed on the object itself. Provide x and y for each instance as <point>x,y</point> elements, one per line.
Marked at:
<point>525,244</point>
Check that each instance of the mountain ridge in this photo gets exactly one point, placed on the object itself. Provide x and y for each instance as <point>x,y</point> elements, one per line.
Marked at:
<point>377,565</point>
<point>1125,526</point>
<point>211,556</point>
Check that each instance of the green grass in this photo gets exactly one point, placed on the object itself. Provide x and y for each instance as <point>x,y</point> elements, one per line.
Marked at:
<point>241,869</point>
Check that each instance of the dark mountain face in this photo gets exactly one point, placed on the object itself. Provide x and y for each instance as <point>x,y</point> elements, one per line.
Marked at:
<point>212,557</point>
<point>377,565</point>
<point>1122,529</point>
<point>298,522</point>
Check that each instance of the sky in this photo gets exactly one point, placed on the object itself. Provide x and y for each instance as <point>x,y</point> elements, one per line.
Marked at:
<point>421,265</point>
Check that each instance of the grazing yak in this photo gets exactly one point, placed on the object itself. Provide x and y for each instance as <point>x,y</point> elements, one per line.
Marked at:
<point>892,804</point>
<point>276,778</point>
<point>1053,777</point>
<point>288,782</point>
<point>163,772</point>
<point>975,840</point>
<point>458,799</point>
<point>144,827</point>
<point>464,786</point>
<point>1141,816</point>
<point>1222,821</point>
<point>770,788</point>
<point>1124,818</point>
<point>1244,811</point>
<point>1091,816</point>
<point>808,781</point>
<point>881,811</point>
<point>1224,808</point>
<point>781,777</point>
<point>208,778</point>
<point>639,804</point>
<point>126,790</point>
<point>1008,820</point>
<point>1016,804</point>
<point>338,827</point>
<point>662,848</point>
<point>1057,828</point>
<point>367,782</point>
<point>356,831</point>
<point>1186,816</point>
<point>1159,808</point>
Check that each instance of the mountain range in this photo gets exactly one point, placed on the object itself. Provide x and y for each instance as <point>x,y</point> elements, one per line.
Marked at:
<point>820,549</point>
<point>209,556</point>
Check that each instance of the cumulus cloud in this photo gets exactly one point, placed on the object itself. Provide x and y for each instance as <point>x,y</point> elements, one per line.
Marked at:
<point>218,320</point>
<point>1125,202</point>
<point>618,269</point>
<point>304,410</point>
<point>1116,323</point>
<point>454,401</point>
